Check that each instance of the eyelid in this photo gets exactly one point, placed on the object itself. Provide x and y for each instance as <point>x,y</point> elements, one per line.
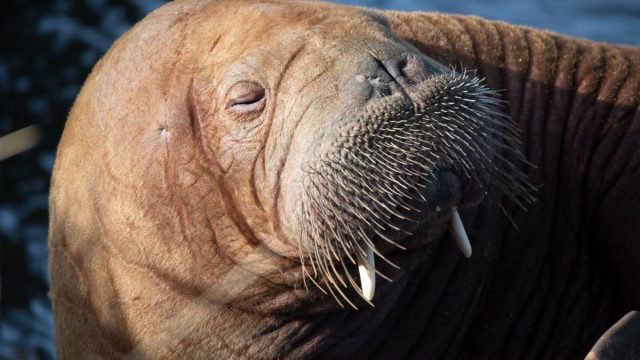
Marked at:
<point>248,98</point>
<point>245,97</point>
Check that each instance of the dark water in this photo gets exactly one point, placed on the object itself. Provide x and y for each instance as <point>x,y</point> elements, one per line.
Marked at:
<point>48,48</point>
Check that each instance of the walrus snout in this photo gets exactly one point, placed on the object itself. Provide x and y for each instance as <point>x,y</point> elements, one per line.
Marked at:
<point>402,161</point>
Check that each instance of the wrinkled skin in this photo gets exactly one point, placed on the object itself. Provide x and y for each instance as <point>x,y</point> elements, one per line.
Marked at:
<point>176,227</point>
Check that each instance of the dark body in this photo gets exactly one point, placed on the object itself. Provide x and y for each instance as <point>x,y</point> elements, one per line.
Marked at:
<point>547,284</point>
<point>571,269</point>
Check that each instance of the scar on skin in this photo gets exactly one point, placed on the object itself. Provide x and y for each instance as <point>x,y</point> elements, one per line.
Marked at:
<point>164,133</point>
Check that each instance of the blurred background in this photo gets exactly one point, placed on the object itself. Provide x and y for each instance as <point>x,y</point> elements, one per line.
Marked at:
<point>47,49</point>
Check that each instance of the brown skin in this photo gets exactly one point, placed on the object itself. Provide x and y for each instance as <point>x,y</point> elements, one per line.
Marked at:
<point>172,234</point>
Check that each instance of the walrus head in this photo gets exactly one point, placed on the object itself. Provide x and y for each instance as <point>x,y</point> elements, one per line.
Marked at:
<point>270,173</point>
<point>365,140</point>
<point>235,175</point>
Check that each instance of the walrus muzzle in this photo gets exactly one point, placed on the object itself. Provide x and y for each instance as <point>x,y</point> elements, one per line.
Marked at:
<point>404,160</point>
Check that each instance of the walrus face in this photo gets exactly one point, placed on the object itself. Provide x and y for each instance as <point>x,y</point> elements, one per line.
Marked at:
<point>354,144</point>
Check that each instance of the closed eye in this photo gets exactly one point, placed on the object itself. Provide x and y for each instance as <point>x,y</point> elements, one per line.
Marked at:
<point>246,97</point>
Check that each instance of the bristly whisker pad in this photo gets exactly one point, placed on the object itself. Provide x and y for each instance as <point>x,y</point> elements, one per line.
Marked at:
<point>372,185</point>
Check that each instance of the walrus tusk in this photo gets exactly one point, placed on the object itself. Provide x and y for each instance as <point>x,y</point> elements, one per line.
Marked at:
<point>367,269</point>
<point>458,233</point>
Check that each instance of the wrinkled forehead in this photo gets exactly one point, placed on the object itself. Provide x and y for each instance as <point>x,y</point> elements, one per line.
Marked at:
<point>331,19</point>
<point>278,27</point>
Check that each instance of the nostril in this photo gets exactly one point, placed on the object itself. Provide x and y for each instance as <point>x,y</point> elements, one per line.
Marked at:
<point>413,69</point>
<point>395,66</point>
<point>403,69</point>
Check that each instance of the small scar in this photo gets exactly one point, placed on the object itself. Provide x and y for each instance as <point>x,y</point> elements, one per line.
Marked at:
<point>164,133</point>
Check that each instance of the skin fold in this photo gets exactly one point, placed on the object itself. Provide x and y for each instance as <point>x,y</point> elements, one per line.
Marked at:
<point>176,197</point>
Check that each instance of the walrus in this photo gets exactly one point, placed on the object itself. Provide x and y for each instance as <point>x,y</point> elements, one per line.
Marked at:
<point>262,180</point>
